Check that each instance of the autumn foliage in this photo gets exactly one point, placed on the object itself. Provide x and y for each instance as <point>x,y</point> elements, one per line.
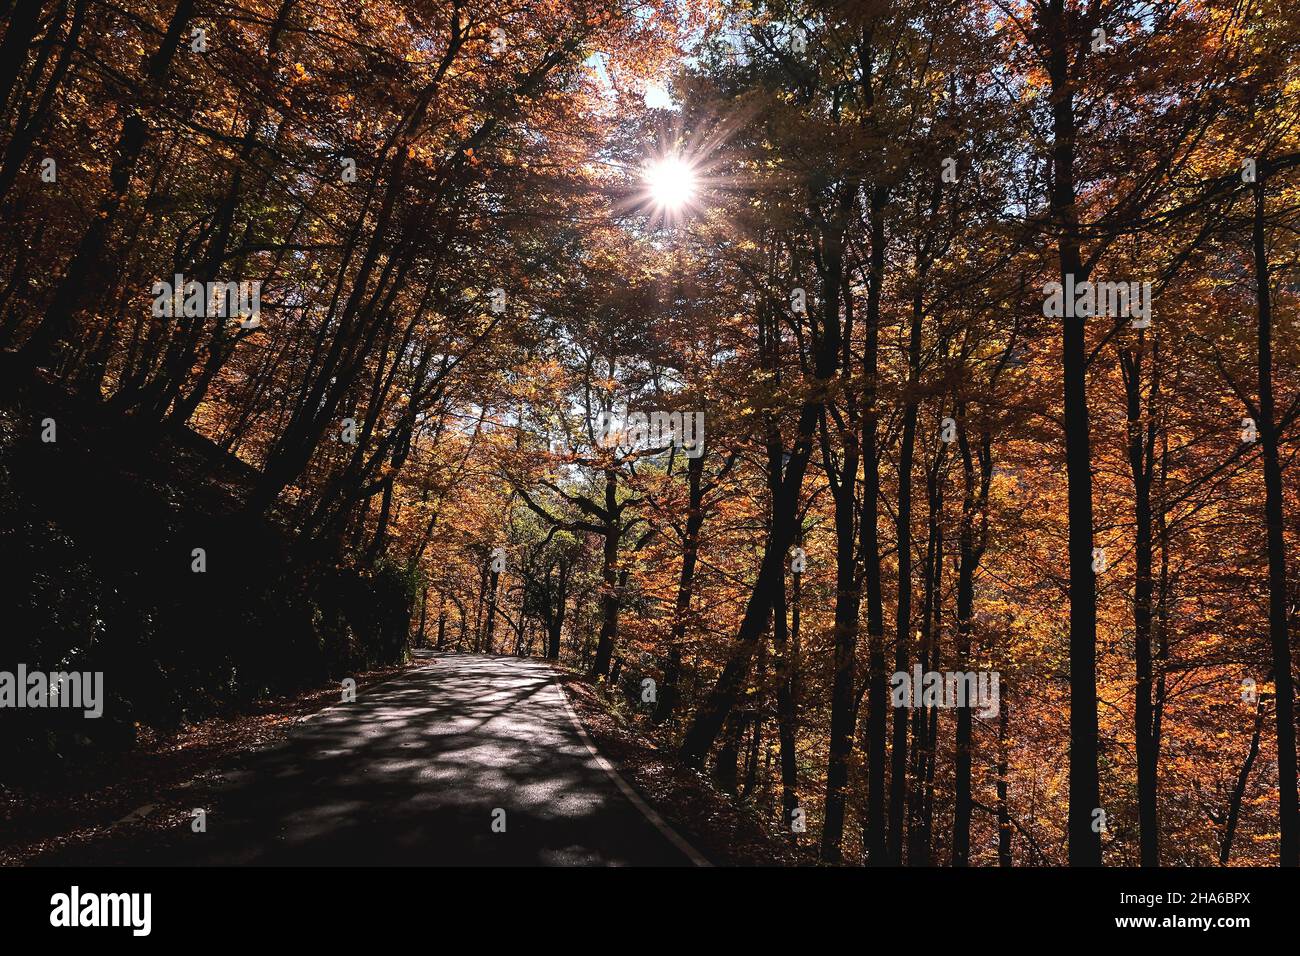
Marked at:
<point>910,462</point>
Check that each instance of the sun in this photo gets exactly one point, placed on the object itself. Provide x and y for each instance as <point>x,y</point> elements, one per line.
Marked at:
<point>671,182</point>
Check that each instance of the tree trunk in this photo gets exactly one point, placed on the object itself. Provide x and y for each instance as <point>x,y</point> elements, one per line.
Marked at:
<point>1004,816</point>
<point>1288,816</point>
<point>877,694</point>
<point>1239,791</point>
<point>755,724</point>
<point>966,561</point>
<point>922,732</point>
<point>847,605</point>
<point>490,632</point>
<point>1141,460</point>
<point>903,614</point>
<point>1085,795</point>
<point>787,675</point>
<point>724,766</point>
<point>771,575</point>
<point>609,572</point>
<point>685,587</point>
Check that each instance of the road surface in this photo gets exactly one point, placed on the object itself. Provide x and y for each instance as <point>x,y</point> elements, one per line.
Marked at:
<point>416,772</point>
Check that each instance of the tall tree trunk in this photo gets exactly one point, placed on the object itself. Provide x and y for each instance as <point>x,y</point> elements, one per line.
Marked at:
<point>847,604</point>
<point>1288,815</point>
<point>903,613</point>
<point>922,734</point>
<point>1141,453</point>
<point>869,534</point>
<point>1085,793</point>
<point>787,676</point>
<point>966,561</point>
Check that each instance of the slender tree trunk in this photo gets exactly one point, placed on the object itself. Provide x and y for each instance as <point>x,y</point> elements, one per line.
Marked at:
<point>724,766</point>
<point>847,605</point>
<point>1141,461</point>
<point>1005,832</point>
<point>1239,791</point>
<point>671,690</point>
<point>478,610</point>
<point>787,675</point>
<point>922,734</point>
<point>609,572</point>
<point>490,632</point>
<point>685,587</point>
<point>424,606</point>
<point>877,692</point>
<point>903,615</point>
<point>555,626</point>
<point>843,486</point>
<point>755,724</point>
<point>965,606</point>
<point>1288,815</point>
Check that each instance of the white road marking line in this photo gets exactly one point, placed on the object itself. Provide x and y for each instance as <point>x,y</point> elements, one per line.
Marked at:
<point>675,838</point>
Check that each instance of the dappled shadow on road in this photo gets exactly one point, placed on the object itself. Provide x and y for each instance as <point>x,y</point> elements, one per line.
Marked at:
<point>412,772</point>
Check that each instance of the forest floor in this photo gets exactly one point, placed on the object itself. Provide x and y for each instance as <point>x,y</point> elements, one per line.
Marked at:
<point>727,834</point>
<point>146,790</point>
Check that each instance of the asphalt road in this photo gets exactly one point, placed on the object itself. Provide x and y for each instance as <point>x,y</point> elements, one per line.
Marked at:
<point>414,772</point>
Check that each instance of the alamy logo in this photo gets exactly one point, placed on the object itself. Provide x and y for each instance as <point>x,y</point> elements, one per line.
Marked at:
<point>946,689</point>
<point>655,431</point>
<point>213,300</point>
<point>1085,299</point>
<point>103,909</point>
<point>75,690</point>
